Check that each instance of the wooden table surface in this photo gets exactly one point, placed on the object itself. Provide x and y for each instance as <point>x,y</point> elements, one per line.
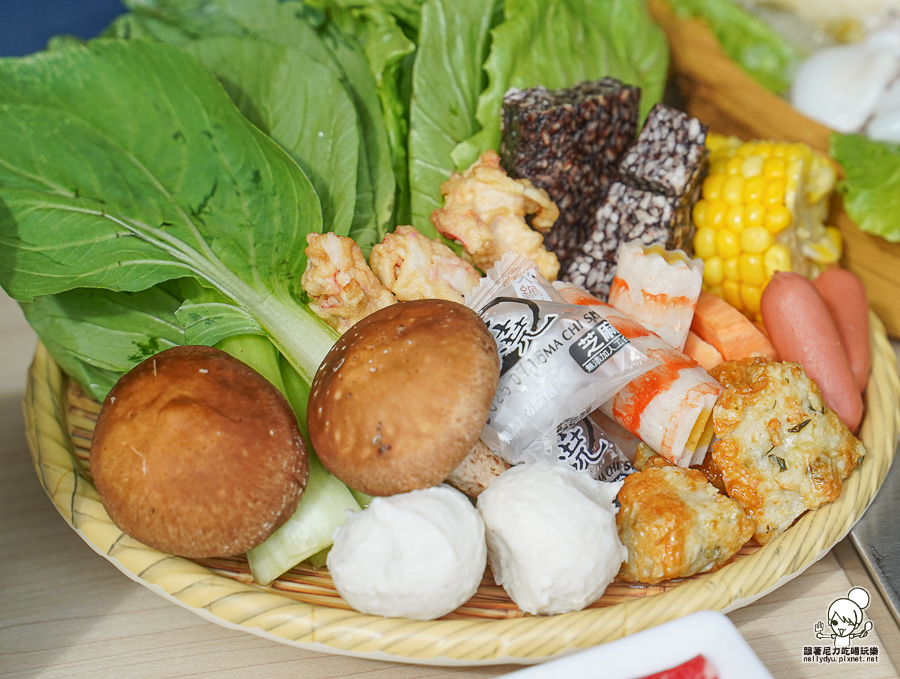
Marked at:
<point>66,612</point>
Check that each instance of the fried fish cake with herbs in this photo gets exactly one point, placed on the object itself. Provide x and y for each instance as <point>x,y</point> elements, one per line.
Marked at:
<point>675,524</point>
<point>780,450</point>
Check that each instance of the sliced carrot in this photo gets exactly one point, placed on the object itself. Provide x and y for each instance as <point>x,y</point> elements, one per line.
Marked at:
<point>731,333</point>
<point>703,352</point>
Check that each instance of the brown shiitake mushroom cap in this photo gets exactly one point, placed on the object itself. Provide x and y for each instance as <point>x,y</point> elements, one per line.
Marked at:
<point>403,396</point>
<point>197,455</point>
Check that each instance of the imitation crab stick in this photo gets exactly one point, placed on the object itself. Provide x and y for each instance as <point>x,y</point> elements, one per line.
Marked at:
<point>728,330</point>
<point>658,288</point>
<point>668,407</point>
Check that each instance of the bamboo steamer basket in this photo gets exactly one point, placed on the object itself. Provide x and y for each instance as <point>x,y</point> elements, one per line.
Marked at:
<point>302,607</point>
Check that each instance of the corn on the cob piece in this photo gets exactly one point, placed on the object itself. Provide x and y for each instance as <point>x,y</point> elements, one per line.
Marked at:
<point>762,210</point>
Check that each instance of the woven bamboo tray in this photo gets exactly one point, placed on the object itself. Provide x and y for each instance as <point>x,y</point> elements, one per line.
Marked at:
<point>303,609</point>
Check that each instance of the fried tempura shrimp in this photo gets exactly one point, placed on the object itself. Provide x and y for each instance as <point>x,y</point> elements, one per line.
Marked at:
<point>342,286</point>
<point>485,210</point>
<point>413,266</point>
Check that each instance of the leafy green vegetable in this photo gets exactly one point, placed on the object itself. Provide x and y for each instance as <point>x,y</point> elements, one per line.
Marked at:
<point>324,505</point>
<point>279,90</point>
<point>96,335</point>
<point>295,25</point>
<point>387,49</point>
<point>351,58</point>
<point>101,190</point>
<point>447,79</point>
<point>558,43</point>
<point>406,12</point>
<point>871,184</point>
<point>258,353</point>
<point>766,56</point>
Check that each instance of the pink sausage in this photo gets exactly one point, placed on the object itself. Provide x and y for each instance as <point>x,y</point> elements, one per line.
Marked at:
<point>801,329</point>
<point>845,297</point>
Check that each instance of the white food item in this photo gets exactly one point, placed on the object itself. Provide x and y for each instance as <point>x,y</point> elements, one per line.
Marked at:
<point>828,13</point>
<point>841,86</point>
<point>885,124</point>
<point>552,538</point>
<point>415,555</point>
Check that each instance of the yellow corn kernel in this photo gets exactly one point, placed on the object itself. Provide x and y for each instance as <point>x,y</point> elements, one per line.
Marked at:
<point>836,237</point>
<point>705,243</point>
<point>712,186</point>
<point>773,194</point>
<point>716,213</point>
<point>733,166</point>
<point>731,290</point>
<point>821,178</point>
<point>777,258</point>
<point>719,143</point>
<point>699,213</point>
<point>754,215</point>
<point>750,296</point>
<point>734,218</point>
<point>752,166</point>
<point>799,151</point>
<point>774,167</point>
<point>793,183</point>
<point>753,189</point>
<point>717,166</point>
<point>731,267</point>
<point>753,269</point>
<point>822,252</point>
<point>762,210</point>
<point>727,243</point>
<point>733,189</point>
<point>713,271</point>
<point>756,239</point>
<point>764,148</point>
<point>778,218</point>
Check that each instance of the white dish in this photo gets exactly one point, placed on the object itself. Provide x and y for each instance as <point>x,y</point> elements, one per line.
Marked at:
<point>706,633</point>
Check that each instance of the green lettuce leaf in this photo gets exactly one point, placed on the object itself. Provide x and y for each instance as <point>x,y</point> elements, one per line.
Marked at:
<point>558,43</point>
<point>209,323</point>
<point>388,50</point>
<point>447,79</point>
<point>405,12</point>
<point>102,190</point>
<point>871,184</point>
<point>766,56</point>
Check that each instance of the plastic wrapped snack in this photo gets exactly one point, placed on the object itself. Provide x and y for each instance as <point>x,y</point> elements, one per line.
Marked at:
<point>558,361</point>
<point>586,447</point>
<point>670,406</point>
